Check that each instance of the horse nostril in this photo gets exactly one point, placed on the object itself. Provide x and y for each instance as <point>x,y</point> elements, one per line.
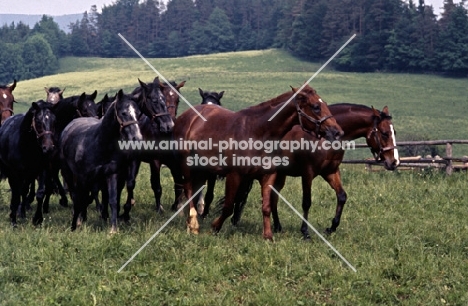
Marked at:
<point>338,134</point>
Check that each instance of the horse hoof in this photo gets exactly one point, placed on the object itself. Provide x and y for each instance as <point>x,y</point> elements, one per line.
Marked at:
<point>132,202</point>
<point>329,231</point>
<point>45,210</point>
<point>278,229</point>
<point>113,231</point>
<point>268,236</point>
<point>37,221</point>
<point>306,237</point>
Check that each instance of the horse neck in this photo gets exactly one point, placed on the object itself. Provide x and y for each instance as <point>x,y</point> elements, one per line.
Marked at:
<point>262,112</point>
<point>355,120</point>
<point>109,127</point>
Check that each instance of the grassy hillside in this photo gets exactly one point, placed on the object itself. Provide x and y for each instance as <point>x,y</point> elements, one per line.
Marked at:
<point>423,106</point>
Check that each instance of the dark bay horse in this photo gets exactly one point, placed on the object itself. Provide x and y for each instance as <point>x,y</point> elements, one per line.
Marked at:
<point>26,144</point>
<point>66,110</point>
<point>155,122</point>
<point>54,94</point>
<point>356,121</point>
<point>250,124</point>
<point>172,97</point>
<point>91,156</point>
<point>103,105</point>
<point>211,97</point>
<point>6,101</point>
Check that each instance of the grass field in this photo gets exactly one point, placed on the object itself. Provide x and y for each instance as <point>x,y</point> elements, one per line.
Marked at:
<point>405,232</point>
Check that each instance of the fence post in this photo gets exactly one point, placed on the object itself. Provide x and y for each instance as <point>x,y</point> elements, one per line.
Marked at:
<point>448,153</point>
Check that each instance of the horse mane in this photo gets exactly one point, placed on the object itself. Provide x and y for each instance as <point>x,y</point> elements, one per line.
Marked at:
<point>272,103</point>
<point>357,107</point>
<point>4,86</point>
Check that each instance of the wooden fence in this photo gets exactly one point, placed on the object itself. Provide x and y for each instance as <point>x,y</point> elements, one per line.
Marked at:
<point>448,162</point>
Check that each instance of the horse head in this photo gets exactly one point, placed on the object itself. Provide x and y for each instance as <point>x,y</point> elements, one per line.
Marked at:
<point>171,92</point>
<point>127,113</point>
<point>43,125</point>
<point>54,94</point>
<point>152,103</point>
<point>211,97</point>
<point>382,139</point>
<point>103,105</point>
<point>86,107</point>
<point>319,119</point>
<point>6,101</point>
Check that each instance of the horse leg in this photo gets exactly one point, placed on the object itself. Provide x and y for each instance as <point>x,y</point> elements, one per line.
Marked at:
<point>63,194</point>
<point>78,196</point>
<point>32,191</point>
<point>192,221</point>
<point>265,183</point>
<point>233,180</point>
<point>104,202</point>
<point>42,201</point>
<point>241,200</point>
<point>334,180</point>
<point>209,195</point>
<point>15,200</point>
<point>306,203</point>
<point>279,184</point>
<point>133,169</point>
<point>155,167</point>
<point>113,203</point>
<point>127,178</point>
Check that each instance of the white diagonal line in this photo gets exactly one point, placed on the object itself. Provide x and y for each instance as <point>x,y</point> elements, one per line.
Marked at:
<point>316,232</point>
<point>161,76</point>
<point>159,230</point>
<point>312,77</point>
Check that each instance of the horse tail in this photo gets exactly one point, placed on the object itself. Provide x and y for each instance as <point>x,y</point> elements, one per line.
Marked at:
<point>239,201</point>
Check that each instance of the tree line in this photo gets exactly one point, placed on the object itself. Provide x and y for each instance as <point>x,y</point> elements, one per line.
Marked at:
<point>392,35</point>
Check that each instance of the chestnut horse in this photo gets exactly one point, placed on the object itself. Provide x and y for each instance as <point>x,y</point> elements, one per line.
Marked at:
<point>248,125</point>
<point>6,101</point>
<point>356,121</point>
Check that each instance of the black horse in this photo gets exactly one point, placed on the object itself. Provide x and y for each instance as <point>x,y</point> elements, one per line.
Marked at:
<point>103,105</point>
<point>90,155</point>
<point>152,130</point>
<point>26,144</point>
<point>66,110</point>
<point>211,97</point>
<point>54,94</point>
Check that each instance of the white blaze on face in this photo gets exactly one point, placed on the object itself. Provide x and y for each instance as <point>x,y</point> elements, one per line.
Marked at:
<point>4,96</point>
<point>132,112</point>
<point>171,93</point>
<point>209,103</point>
<point>320,100</point>
<point>395,151</point>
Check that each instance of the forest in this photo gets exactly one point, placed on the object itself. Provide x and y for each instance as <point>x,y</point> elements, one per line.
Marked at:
<point>392,35</point>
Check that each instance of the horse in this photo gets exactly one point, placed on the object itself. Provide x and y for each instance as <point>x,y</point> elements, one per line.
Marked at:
<point>172,97</point>
<point>90,155</point>
<point>66,110</point>
<point>214,98</point>
<point>26,144</point>
<point>211,97</point>
<point>356,121</point>
<point>54,94</point>
<point>103,105</point>
<point>6,101</point>
<point>155,122</point>
<point>248,125</point>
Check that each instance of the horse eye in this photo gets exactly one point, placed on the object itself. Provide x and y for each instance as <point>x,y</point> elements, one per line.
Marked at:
<point>385,135</point>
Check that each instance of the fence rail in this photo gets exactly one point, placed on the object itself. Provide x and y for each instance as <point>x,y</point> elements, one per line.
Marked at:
<point>446,162</point>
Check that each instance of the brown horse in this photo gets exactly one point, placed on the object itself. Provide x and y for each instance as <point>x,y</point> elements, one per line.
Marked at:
<point>172,97</point>
<point>6,101</point>
<point>356,121</point>
<point>248,125</point>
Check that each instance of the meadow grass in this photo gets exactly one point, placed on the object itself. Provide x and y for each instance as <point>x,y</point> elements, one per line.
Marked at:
<point>404,231</point>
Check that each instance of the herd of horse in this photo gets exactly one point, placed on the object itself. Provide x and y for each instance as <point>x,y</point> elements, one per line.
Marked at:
<point>77,137</point>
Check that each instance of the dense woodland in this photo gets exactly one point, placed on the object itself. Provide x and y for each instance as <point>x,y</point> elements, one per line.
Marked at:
<point>392,35</point>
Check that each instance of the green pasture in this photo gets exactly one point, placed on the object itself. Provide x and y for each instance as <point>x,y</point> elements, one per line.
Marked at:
<point>405,231</point>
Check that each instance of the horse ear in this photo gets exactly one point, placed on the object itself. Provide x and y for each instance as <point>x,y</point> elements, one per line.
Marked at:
<point>181,84</point>
<point>385,111</point>
<point>12,86</point>
<point>293,89</point>
<point>120,95</point>
<point>142,84</point>
<point>61,92</point>
<point>35,106</point>
<point>201,92</point>
<point>220,95</point>
<point>46,89</point>
<point>156,80</point>
<point>376,112</point>
<point>93,96</point>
